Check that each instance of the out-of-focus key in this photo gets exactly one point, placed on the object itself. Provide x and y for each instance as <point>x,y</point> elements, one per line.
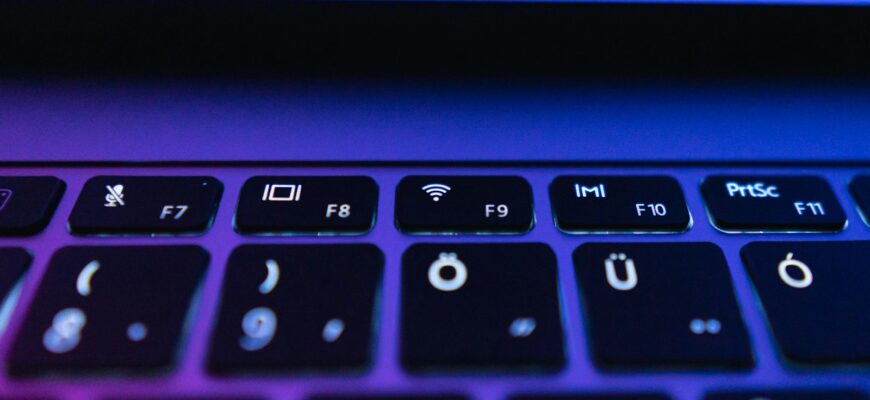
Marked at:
<point>297,307</point>
<point>616,396</point>
<point>108,309</point>
<point>790,394</point>
<point>815,296</point>
<point>28,203</point>
<point>772,203</point>
<point>390,397</point>
<point>13,263</point>
<point>145,205</point>
<point>860,188</point>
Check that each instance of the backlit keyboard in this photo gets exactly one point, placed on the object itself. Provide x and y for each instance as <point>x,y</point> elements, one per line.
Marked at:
<point>435,282</point>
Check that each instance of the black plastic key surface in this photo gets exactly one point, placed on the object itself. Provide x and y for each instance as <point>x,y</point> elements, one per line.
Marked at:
<point>660,305</point>
<point>307,205</point>
<point>772,203</point>
<point>183,397</point>
<point>297,307</point>
<point>815,297</point>
<point>619,204</point>
<point>109,309</point>
<point>390,397</point>
<point>28,203</point>
<point>860,189</point>
<point>790,394</point>
<point>480,306</point>
<point>621,396</point>
<point>13,263</point>
<point>464,204</point>
<point>145,205</point>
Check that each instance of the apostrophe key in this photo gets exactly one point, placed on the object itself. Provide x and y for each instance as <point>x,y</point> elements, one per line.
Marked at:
<point>297,307</point>
<point>772,203</point>
<point>316,205</point>
<point>109,309</point>
<point>13,263</point>
<point>660,305</point>
<point>618,204</point>
<point>815,297</point>
<point>28,203</point>
<point>464,204</point>
<point>145,205</point>
<point>480,307</point>
<point>790,394</point>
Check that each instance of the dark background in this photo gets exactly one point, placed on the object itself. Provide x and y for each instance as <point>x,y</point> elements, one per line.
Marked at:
<point>388,39</point>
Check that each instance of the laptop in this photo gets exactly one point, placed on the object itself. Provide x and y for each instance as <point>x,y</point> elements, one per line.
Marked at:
<point>435,200</point>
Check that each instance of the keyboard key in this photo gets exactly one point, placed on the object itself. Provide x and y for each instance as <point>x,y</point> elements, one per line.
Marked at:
<point>13,263</point>
<point>177,397</point>
<point>482,306</point>
<point>109,308</point>
<point>772,203</point>
<point>788,395</point>
<point>660,305</point>
<point>815,297</point>
<point>307,205</point>
<point>624,396</point>
<point>464,204</point>
<point>297,307</point>
<point>619,204</point>
<point>389,397</point>
<point>145,205</point>
<point>28,203</point>
<point>860,189</point>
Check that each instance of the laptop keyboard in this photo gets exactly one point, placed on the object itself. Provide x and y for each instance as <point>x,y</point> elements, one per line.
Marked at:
<point>435,282</point>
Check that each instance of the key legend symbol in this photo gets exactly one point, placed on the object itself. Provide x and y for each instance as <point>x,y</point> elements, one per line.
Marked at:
<point>115,197</point>
<point>137,331</point>
<point>333,330</point>
<point>5,194</point>
<point>699,326</point>
<point>523,327</point>
<point>436,190</point>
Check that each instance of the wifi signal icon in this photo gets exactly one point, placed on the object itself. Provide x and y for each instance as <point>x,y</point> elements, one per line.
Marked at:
<point>436,190</point>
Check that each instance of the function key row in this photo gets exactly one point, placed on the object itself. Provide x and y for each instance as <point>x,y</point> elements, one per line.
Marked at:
<point>463,307</point>
<point>330,205</point>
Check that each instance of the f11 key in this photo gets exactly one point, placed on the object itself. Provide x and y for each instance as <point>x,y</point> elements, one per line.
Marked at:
<point>145,205</point>
<point>772,203</point>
